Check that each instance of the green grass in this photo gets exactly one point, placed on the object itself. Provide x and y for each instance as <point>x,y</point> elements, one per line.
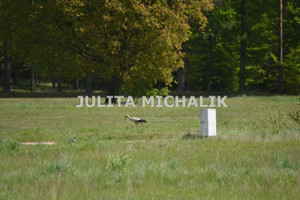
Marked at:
<point>99,155</point>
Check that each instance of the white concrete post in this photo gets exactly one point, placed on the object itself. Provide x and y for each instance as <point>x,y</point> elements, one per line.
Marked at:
<point>208,122</point>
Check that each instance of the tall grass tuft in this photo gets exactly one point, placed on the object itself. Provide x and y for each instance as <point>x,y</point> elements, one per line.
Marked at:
<point>72,139</point>
<point>271,123</point>
<point>295,115</point>
<point>7,145</point>
<point>55,167</point>
<point>117,162</point>
<point>283,161</point>
<point>59,166</point>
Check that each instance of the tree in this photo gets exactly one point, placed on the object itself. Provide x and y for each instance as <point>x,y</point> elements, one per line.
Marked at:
<point>181,80</point>
<point>6,20</point>
<point>132,45</point>
<point>264,68</point>
<point>6,84</point>
<point>280,48</point>
<point>136,44</point>
<point>211,53</point>
<point>242,47</point>
<point>291,47</point>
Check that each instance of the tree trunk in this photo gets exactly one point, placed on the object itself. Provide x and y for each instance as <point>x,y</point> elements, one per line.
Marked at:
<point>114,88</point>
<point>76,84</point>
<point>32,70</point>
<point>53,78</point>
<point>6,85</point>
<point>2,77</point>
<point>242,76</point>
<point>15,75</point>
<point>32,77</point>
<point>280,50</point>
<point>59,85</point>
<point>59,75</point>
<point>211,55</point>
<point>89,83</point>
<point>181,80</point>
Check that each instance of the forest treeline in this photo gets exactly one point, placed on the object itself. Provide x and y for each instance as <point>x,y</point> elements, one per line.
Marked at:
<point>138,45</point>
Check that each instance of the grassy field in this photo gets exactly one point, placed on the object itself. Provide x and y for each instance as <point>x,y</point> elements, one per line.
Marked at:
<point>99,155</point>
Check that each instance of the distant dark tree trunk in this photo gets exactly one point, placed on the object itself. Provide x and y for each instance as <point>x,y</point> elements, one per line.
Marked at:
<point>89,83</point>
<point>242,76</point>
<point>32,70</point>
<point>76,84</point>
<point>114,88</point>
<point>53,77</point>
<point>211,55</point>
<point>32,76</point>
<point>2,77</point>
<point>59,85</point>
<point>6,85</point>
<point>59,76</point>
<point>181,79</point>
<point>15,75</point>
<point>280,49</point>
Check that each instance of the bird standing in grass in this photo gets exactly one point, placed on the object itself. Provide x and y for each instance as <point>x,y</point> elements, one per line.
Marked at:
<point>135,120</point>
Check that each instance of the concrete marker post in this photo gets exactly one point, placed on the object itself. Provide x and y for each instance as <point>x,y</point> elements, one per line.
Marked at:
<point>208,122</point>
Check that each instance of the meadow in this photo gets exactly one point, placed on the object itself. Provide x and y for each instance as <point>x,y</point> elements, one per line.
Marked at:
<point>99,155</point>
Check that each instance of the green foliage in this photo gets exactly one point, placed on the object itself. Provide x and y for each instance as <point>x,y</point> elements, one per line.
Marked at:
<point>192,136</point>
<point>212,54</point>
<point>169,165</point>
<point>291,71</point>
<point>7,145</point>
<point>117,162</point>
<point>271,123</point>
<point>135,46</point>
<point>295,115</point>
<point>58,166</point>
<point>263,47</point>
<point>284,161</point>
<point>158,92</point>
<point>72,139</point>
<point>55,167</point>
<point>137,43</point>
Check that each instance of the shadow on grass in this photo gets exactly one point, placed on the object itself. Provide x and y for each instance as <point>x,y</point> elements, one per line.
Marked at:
<point>192,136</point>
<point>45,94</point>
<point>22,91</point>
<point>250,93</point>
